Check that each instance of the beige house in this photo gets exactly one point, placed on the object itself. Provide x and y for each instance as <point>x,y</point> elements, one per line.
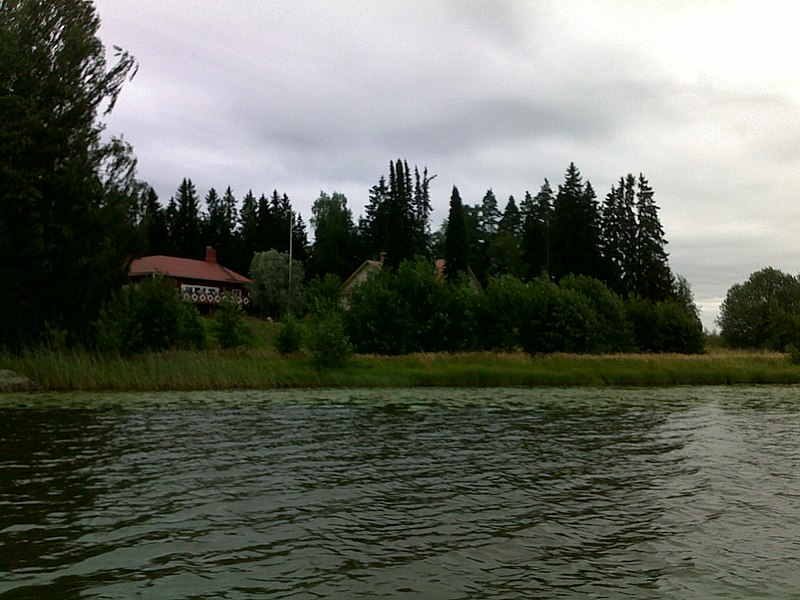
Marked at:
<point>369,268</point>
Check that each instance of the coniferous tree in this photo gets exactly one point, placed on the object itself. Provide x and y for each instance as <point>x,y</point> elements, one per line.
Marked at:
<point>610,241</point>
<point>536,231</point>
<point>511,221</point>
<point>247,233</point>
<point>213,224</point>
<point>228,248</point>
<point>186,224</point>
<point>154,223</point>
<point>655,281</point>
<point>456,244</point>
<point>301,250</point>
<point>619,238</point>
<point>575,241</point>
<point>396,221</point>
<point>490,214</point>
<point>422,209</point>
<point>505,247</point>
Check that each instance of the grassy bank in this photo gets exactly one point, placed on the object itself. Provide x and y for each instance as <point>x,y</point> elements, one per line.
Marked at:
<point>261,368</point>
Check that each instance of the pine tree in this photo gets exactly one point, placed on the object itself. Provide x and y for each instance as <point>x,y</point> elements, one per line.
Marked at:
<point>456,246</point>
<point>511,221</point>
<point>490,214</point>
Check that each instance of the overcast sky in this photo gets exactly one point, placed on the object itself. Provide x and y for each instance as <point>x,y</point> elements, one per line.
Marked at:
<point>703,97</point>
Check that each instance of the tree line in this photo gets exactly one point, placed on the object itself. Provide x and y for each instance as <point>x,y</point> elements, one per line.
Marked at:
<point>619,241</point>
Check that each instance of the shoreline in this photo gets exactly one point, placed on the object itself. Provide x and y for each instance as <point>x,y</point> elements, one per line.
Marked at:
<point>52,371</point>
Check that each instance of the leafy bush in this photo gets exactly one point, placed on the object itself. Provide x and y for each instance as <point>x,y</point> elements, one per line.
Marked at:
<point>327,340</point>
<point>325,293</point>
<point>148,316</point>
<point>229,326</point>
<point>667,326</point>
<point>613,332</point>
<point>500,311</point>
<point>289,337</point>
<point>557,320</point>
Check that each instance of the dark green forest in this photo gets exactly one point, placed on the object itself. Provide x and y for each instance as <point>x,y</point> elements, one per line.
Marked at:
<point>73,216</point>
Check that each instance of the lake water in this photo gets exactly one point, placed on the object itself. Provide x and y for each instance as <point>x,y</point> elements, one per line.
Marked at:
<point>498,493</point>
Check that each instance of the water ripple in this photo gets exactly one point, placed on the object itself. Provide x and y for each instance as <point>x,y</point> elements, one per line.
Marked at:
<point>667,493</point>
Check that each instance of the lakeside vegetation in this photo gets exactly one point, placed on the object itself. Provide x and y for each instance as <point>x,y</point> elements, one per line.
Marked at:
<point>262,368</point>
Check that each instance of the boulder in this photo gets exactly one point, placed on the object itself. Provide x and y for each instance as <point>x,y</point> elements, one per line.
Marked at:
<point>11,382</point>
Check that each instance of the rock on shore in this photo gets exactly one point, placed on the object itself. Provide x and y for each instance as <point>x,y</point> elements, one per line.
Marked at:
<point>11,382</point>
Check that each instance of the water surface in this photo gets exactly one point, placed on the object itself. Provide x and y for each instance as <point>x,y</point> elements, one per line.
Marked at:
<point>499,493</point>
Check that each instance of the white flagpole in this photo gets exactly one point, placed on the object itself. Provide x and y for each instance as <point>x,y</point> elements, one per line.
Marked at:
<point>289,295</point>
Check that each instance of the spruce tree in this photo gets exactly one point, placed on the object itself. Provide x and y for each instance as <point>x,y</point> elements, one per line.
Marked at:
<point>610,241</point>
<point>154,223</point>
<point>576,228</point>
<point>186,229</point>
<point>654,277</point>
<point>396,221</point>
<point>505,247</point>
<point>246,234</point>
<point>536,231</point>
<point>456,244</point>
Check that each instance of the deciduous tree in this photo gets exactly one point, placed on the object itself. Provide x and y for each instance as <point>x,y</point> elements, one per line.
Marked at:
<point>67,197</point>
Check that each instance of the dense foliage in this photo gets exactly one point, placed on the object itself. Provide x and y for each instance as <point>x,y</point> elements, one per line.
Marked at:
<point>148,316</point>
<point>762,312</point>
<point>277,285</point>
<point>416,310</point>
<point>66,196</point>
<point>229,325</point>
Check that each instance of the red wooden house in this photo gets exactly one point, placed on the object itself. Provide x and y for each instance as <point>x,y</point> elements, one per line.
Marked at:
<point>200,281</point>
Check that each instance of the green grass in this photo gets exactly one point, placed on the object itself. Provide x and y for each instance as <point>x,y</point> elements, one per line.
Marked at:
<point>262,368</point>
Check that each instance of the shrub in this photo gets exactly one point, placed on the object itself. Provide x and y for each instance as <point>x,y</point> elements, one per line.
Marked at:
<point>324,294</point>
<point>289,337</point>
<point>229,325</point>
<point>613,332</point>
<point>328,341</point>
<point>557,320</point>
<point>667,326</point>
<point>148,316</point>
<point>500,312</point>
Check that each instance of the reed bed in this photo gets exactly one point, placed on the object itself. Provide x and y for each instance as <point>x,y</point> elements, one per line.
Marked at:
<point>264,369</point>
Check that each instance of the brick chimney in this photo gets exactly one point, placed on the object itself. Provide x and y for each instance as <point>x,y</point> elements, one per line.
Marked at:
<point>211,255</point>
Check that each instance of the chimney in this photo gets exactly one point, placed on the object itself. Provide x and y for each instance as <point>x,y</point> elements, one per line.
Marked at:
<point>211,255</point>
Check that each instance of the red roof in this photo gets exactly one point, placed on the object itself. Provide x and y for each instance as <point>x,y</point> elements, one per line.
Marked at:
<point>185,268</point>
